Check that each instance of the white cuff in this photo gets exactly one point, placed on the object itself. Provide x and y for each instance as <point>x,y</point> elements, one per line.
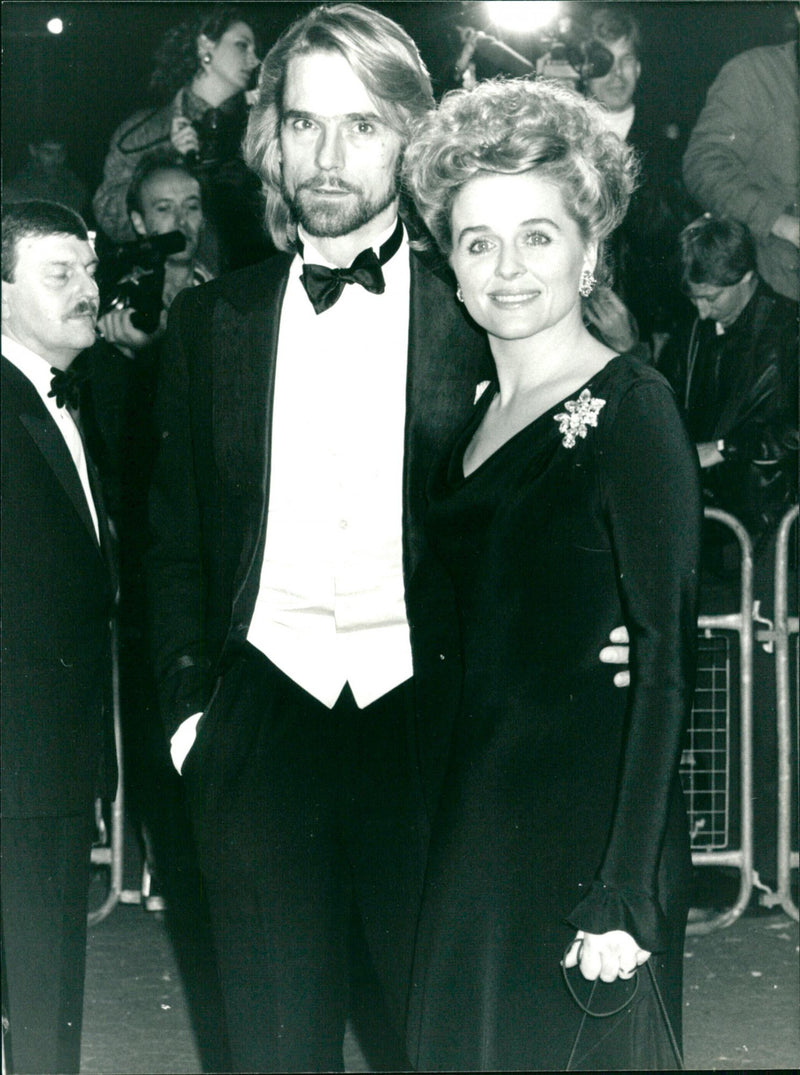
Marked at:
<point>183,740</point>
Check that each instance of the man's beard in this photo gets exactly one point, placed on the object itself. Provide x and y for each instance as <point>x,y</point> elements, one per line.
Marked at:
<point>330,221</point>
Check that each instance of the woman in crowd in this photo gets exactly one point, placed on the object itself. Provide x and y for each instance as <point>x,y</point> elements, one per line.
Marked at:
<point>203,70</point>
<point>570,503</point>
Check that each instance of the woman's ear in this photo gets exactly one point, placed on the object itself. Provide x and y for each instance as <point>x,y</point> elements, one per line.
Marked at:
<point>205,46</point>
<point>592,249</point>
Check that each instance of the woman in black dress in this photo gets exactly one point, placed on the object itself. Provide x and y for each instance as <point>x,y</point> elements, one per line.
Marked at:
<point>569,504</point>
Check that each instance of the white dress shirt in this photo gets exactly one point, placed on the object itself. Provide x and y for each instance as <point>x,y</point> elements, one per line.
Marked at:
<point>38,372</point>
<point>620,123</point>
<point>331,603</point>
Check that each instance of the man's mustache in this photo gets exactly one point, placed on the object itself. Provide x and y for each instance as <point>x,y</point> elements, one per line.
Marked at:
<point>85,306</point>
<point>327,183</point>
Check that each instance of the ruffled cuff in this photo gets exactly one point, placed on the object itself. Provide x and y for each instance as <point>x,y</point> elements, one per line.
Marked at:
<point>605,907</point>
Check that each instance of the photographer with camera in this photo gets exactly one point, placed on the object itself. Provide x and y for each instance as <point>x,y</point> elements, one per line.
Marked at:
<point>203,70</point>
<point>644,253</point>
<point>165,208</point>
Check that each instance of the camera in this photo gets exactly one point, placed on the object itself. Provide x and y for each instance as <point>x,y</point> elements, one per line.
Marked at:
<point>131,277</point>
<point>572,57</point>
<point>564,52</point>
<point>219,132</point>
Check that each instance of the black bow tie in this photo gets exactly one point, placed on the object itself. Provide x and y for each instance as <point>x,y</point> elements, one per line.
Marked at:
<point>324,285</point>
<point>65,386</point>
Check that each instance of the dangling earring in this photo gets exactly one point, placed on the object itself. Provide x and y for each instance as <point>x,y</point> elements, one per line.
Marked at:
<point>587,283</point>
<point>459,293</point>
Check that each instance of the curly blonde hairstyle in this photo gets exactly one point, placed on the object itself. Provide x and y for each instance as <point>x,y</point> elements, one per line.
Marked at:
<point>512,126</point>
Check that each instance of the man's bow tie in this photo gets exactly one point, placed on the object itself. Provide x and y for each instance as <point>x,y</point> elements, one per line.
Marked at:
<point>324,285</point>
<point>65,386</point>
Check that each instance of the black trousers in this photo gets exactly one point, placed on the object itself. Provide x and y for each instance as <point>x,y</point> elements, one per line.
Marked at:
<point>307,819</point>
<point>43,884</point>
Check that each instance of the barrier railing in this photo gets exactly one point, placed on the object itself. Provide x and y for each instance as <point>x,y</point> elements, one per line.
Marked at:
<point>706,761</point>
<point>786,625</point>
<point>110,851</point>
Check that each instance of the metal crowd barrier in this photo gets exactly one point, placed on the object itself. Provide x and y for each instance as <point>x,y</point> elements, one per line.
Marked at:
<point>785,626</point>
<point>109,850</point>
<point>707,759</point>
<point>706,764</point>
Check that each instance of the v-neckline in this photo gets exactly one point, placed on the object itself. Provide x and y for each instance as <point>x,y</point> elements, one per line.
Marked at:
<point>456,473</point>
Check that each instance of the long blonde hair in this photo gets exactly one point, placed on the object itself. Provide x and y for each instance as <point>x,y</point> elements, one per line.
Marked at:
<point>380,53</point>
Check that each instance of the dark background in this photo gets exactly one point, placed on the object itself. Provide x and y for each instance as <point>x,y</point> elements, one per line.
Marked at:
<point>85,81</point>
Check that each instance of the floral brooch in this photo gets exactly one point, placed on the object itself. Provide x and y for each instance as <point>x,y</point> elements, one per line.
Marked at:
<point>578,415</point>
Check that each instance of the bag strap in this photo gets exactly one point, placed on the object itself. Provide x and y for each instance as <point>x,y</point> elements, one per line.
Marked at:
<point>667,1021</point>
<point>588,1013</point>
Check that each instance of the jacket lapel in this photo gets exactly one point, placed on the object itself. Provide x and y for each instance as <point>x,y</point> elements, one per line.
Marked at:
<point>448,356</point>
<point>245,341</point>
<point>50,443</point>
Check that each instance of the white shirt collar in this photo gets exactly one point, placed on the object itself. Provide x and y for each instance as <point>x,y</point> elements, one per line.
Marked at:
<point>38,372</point>
<point>37,369</point>
<point>620,123</point>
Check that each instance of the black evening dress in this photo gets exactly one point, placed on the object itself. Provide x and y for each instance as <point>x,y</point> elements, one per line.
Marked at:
<point>562,807</point>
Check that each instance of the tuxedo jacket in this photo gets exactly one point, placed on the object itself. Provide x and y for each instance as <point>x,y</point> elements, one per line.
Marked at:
<point>211,484</point>
<point>58,594</point>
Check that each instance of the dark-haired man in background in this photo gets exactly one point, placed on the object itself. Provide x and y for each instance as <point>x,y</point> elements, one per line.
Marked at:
<point>734,368</point>
<point>743,157</point>
<point>644,250</point>
<point>58,593</point>
<point>735,371</point>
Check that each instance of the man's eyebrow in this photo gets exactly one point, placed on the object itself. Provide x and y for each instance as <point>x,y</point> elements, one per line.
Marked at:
<point>66,263</point>
<point>353,117</point>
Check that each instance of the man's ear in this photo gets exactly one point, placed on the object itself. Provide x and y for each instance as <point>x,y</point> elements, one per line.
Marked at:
<point>138,223</point>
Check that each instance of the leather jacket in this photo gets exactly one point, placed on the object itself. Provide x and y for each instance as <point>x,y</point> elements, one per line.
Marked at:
<point>741,389</point>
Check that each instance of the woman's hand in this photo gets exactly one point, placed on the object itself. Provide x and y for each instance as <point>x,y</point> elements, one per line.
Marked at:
<point>183,136</point>
<point>606,956</point>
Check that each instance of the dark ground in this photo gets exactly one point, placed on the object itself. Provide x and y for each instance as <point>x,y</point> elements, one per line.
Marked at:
<point>741,997</point>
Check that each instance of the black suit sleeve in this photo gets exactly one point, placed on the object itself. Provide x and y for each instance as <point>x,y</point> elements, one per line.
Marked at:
<point>175,570</point>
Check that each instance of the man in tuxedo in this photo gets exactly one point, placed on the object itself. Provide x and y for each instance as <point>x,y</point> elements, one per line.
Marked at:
<point>58,594</point>
<point>295,442</point>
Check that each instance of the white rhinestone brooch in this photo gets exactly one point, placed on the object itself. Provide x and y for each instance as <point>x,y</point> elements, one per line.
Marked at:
<point>578,415</point>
